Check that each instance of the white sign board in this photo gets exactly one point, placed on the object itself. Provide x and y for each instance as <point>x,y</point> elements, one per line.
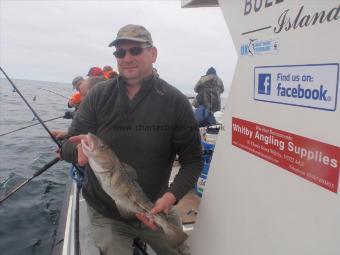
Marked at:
<point>272,187</point>
<point>313,86</point>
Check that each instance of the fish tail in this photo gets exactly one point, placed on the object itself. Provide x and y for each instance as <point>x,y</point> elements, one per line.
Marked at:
<point>175,234</point>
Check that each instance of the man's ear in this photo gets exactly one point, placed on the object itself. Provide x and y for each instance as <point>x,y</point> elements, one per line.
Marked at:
<point>153,54</point>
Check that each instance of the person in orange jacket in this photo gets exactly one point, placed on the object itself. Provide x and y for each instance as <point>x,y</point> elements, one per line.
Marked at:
<point>75,98</point>
<point>109,73</point>
<point>83,88</point>
<point>95,71</point>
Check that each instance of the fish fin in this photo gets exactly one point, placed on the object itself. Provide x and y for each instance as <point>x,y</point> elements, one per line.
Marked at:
<point>131,171</point>
<point>176,236</point>
<point>124,212</point>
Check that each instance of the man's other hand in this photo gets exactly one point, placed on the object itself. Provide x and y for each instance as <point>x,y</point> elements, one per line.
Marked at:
<point>82,159</point>
<point>163,204</point>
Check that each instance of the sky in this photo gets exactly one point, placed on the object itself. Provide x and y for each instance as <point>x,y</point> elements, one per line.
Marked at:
<point>58,40</point>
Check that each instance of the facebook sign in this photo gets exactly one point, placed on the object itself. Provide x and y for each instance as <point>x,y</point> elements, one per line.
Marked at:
<point>264,86</point>
<point>310,85</point>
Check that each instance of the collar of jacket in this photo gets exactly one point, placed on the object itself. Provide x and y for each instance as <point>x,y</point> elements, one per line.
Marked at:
<point>146,85</point>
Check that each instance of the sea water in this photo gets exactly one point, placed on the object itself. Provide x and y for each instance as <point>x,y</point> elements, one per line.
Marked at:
<point>28,219</point>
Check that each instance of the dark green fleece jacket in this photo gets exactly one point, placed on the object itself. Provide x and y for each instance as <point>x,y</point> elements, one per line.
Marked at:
<point>146,132</point>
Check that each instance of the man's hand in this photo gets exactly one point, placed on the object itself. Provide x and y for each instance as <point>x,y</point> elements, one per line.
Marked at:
<point>82,159</point>
<point>148,221</point>
<point>59,135</point>
<point>68,115</point>
<point>163,204</point>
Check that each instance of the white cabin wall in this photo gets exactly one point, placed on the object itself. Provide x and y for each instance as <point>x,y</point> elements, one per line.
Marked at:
<point>252,206</point>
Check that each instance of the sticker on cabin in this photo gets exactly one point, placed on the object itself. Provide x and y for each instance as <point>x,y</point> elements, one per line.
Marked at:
<point>259,47</point>
<point>310,159</point>
<point>313,86</point>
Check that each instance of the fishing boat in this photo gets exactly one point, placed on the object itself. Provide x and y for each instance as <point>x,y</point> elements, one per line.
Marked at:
<point>266,210</point>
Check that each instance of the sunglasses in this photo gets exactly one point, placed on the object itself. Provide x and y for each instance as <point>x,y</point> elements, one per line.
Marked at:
<point>134,51</point>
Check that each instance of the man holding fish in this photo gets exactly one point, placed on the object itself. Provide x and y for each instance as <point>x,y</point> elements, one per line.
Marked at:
<point>127,132</point>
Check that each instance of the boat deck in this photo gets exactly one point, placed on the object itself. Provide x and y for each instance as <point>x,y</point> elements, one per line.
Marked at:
<point>87,246</point>
<point>188,207</point>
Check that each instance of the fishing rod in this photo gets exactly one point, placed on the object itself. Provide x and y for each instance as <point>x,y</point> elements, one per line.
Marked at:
<point>10,132</point>
<point>48,165</point>
<point>29,106</point>
<point>39,119</point>
<point>53,92</point>
<point>34,112</point>
<point>20,185</point>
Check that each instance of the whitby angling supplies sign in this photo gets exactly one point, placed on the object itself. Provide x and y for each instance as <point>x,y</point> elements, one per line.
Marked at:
<point>312,160</point>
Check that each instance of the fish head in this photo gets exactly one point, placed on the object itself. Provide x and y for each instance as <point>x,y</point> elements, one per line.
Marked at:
<point>100,155</point>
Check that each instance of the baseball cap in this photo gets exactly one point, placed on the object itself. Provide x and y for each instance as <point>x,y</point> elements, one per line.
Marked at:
<point>107,68</point>
<point>95,71</point>
<point>76,80</point>
<point>134,33</point>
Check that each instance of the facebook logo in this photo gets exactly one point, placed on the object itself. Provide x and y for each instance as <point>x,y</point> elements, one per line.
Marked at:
<point>264,83</point>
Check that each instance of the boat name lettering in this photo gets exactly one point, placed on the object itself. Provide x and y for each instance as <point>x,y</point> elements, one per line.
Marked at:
<point>257,5</point>
<point>286,22</point>
<point>290,20</point>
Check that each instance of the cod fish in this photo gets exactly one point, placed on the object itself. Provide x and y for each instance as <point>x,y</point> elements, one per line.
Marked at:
<point>118,181</point>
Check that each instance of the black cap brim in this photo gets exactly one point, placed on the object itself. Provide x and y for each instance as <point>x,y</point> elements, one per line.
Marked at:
<point>115,42</point>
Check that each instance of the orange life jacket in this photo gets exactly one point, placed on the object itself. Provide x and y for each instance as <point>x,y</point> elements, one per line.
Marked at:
<point>110,74</point>
<point>75,98</point>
